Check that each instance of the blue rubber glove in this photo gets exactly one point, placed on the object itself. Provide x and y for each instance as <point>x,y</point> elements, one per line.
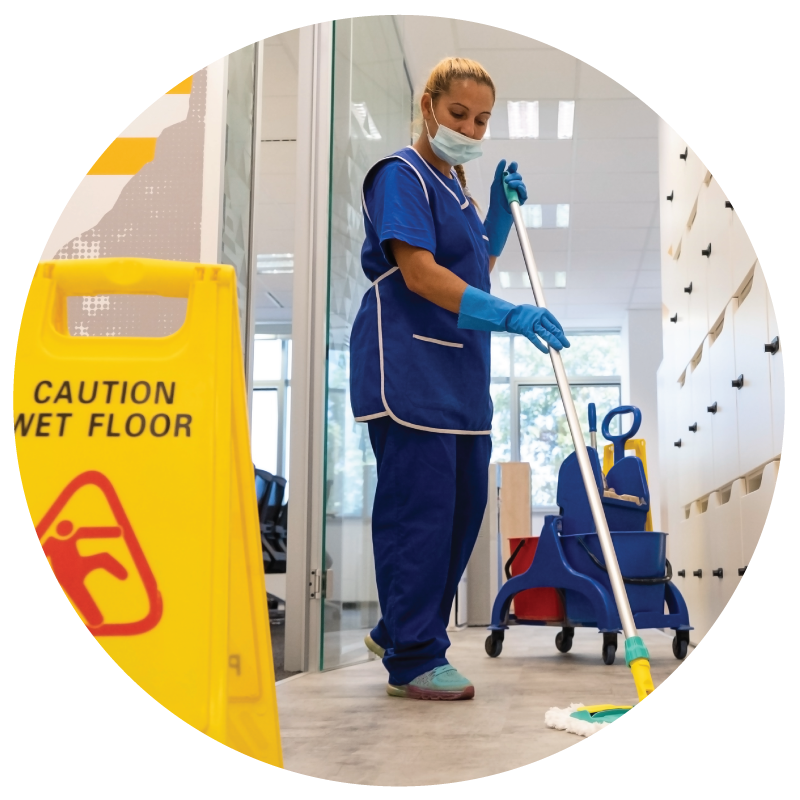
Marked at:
<point>481,311</point>
<point>498,220</point>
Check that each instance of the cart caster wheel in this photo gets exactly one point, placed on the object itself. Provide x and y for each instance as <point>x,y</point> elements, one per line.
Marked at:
<point>494,644</point>
<point>609,648</point>
<point>680,644</point>
<point>564,640</point>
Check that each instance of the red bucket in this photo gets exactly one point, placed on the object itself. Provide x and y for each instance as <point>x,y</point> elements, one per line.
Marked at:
<point>543,604</point>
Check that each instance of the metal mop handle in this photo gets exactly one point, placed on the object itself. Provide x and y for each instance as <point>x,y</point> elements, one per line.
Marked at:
<point>595,503</point>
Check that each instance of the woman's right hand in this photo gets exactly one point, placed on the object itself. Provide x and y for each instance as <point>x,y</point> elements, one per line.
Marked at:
<point>533,322</point>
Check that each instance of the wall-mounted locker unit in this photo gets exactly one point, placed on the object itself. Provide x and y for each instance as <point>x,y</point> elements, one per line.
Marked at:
<point>721,385</point>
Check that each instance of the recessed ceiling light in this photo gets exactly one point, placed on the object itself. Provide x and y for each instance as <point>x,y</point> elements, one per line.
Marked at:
<point>531,215</point>
<point>274,263</point>
<point>562,215</point>
<point>520,280</point>
<point>566,118</point>
<point>523,119</point>
<point>365,121</point>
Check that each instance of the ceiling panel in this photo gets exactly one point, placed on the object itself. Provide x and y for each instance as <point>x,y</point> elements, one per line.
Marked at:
<point>613,281</point>
<point>599,315</point>
<point>608,260</point>
<point>531,74</point>
<point>648,280</point>
<point>616,155</point>
<point>650,297</point>
<point>609,239</point>
<point>611,215</point>
<point>619,187</point>
<point>614,119</point>
<point>471,35</point>
<point>651,260</point>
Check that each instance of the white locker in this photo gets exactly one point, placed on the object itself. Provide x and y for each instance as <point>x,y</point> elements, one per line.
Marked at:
<point>754,406</point>
<point>689,175</point>
<point>722,401</point>
<point>696,561</point>
<point>725,544</point>
<point>699,431</point>
<point>717,221</point>
<point>777,386</point>
<point>742,254</point>
<point>755,507</point>
<point>684,444</point>
<point>674,277</point>
<point>695,241</point>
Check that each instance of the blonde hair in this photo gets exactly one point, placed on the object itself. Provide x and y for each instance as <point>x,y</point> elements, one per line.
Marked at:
<point>441,79</point>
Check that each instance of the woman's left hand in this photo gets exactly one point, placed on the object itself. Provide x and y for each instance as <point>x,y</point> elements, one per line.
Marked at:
<point>498,220</point>
<point>497,195</point>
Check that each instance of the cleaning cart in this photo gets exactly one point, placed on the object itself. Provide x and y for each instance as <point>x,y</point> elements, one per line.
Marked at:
<point>560,578</point>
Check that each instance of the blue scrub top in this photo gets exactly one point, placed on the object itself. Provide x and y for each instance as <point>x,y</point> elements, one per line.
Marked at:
<point>409,360</point>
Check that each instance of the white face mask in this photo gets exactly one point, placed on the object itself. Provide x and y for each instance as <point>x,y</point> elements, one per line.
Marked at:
<point>451,146</point>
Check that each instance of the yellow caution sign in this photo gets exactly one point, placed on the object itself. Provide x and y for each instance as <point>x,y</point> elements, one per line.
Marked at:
<point>135,460</point>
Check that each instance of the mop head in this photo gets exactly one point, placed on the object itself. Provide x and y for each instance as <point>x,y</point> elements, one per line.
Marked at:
<point>583,720</point>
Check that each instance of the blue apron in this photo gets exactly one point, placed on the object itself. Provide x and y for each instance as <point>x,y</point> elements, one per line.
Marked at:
<point>409,360</point>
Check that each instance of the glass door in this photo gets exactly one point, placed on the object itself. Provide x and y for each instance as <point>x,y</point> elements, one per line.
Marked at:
<point>371,118</point>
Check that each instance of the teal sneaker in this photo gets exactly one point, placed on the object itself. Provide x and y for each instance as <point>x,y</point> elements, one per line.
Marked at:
<point>373,646</point>
<point>441,683</point>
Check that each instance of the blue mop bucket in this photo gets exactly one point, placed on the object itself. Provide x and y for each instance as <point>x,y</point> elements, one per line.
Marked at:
<point>641,555</point>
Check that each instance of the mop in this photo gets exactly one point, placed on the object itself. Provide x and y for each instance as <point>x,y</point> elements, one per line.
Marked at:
<point>579,719</point>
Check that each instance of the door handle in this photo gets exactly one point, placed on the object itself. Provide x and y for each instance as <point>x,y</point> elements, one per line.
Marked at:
<point>712,409</point>
<point>773,346</point>
<point>707,251</point>
<point>738,383</point>
<point>688,289</point>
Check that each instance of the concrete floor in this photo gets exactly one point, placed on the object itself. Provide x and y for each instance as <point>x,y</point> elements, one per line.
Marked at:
<point>341,725</point>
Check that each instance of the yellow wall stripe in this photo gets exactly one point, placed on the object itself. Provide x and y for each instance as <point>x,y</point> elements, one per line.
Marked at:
<point>184,87</point>
<point>125,156</point>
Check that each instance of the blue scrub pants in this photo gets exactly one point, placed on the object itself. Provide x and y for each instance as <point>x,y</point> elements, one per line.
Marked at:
<point>429,504</point>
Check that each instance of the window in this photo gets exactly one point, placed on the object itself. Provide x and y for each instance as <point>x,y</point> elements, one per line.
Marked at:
<point>269,434</point>
<point>529,422</point>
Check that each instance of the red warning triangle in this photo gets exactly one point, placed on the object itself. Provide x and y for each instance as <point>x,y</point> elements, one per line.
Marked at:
<point>72,568</point>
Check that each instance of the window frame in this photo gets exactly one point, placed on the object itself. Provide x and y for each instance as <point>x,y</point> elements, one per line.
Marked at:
<point>516,384</point>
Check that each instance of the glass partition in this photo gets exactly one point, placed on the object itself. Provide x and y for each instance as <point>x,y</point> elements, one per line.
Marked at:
<point>371,118</point>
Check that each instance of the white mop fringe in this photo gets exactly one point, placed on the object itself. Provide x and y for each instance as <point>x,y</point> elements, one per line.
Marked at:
<point>560,719</point>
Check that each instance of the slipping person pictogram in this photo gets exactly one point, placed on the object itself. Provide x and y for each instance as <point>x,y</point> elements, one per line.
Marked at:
<point>72,568</point>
